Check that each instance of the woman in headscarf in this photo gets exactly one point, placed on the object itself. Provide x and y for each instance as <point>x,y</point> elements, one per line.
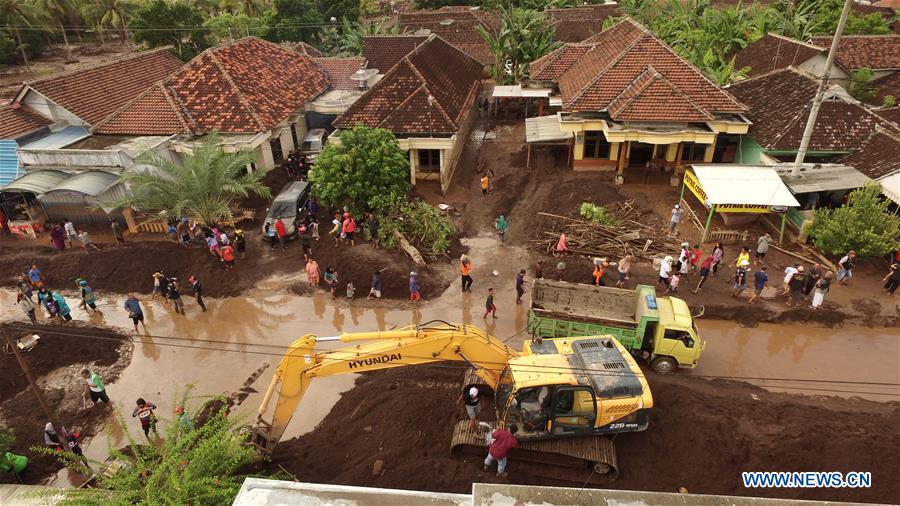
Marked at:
<point>665,270</point>
<point>502,227</point>
<point>63,307</point>
<point>58,238</point>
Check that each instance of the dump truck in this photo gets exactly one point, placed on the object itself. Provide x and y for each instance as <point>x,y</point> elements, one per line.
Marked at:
<point>564,396</point>
<point>660,330</point>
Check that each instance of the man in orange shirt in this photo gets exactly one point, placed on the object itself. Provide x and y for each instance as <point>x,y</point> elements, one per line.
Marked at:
<point>465,269</point>
<point>485,185</point>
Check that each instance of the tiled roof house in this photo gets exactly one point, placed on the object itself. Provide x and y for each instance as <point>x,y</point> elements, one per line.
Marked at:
<point>874,52</point>
<point>779,105</point>
<point>382,52</point>
<point>630,100</point>
<point>426,99</point>
<point>575,24</point>
<point>774,52</point>
<point>454,25</point>
<point>251,91</point>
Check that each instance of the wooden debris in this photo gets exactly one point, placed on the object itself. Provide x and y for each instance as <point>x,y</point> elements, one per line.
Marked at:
<point>409,249</point>
<point>628,237</point>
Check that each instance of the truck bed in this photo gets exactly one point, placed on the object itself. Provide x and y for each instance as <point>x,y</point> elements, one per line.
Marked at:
<point>584,301</point>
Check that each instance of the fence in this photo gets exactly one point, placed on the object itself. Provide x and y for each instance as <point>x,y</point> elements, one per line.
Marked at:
<point>153,225</point>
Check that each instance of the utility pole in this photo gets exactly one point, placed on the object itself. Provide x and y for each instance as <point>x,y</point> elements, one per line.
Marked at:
<point>61,433</point>
<point>820,95</point>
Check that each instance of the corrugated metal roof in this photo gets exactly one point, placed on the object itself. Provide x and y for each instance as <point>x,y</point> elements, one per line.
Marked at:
<point>9,162</point>
<point>57,140</point>
<point>91,183</point>
<point>821,177</point>
<point>890,186</point>
<point>38,181</point>
<point>545,129</point>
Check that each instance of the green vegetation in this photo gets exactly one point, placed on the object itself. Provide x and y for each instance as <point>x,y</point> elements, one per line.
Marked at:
<point>524,36</point>
<point>889,101</point>
<point>202,187</point>
<point>597,214</point>
<point>177,24</point>
<point>864,224</point>
<point>418,221</point>
<point>860,85</point>
<point>708,37</point>
<point>229,27</point>
<point>365,170</point>
<point>195,464</point>
<point>7,438</point>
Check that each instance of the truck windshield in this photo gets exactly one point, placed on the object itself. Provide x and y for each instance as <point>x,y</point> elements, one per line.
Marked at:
<point>680,335</point>
<point>282,209</point>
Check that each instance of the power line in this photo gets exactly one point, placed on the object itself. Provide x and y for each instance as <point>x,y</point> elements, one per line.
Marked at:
<point>530,368</point>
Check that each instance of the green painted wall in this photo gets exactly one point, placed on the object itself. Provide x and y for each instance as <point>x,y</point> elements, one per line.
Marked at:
<point>748,151</point>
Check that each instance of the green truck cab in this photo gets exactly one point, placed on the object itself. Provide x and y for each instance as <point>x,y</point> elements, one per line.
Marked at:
<point>659,329</point>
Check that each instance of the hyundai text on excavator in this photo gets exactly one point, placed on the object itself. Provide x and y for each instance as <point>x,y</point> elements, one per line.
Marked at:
<point>564,395</point>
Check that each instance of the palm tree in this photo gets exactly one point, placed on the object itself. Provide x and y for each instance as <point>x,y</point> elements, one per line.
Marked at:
<point>201,187</point>
<point>523,37</point>
<point>115,14</point>
<point>15,14</point>
<point>254,8</point>
<point>352,35</point>
<point>58,11</point>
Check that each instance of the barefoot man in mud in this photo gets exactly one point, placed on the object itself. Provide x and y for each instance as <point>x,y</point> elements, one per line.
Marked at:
<point>94,386</point>
<point>133,306</point>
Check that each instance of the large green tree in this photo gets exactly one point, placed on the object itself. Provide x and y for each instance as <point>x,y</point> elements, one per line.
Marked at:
<point>59,12</point>
<point>202,187</point>
<point>177,24</point>
<point>350,39</point>
<point>523,37</point>
<point>111,14</point>
<point>367,169</point>
<point>294,20</point>
<point>228,27</point>
<point>864,224</point>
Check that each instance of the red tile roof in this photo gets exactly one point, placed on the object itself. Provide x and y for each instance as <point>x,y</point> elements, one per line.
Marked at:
<point>339,71</point>
<point>652,97</point>
<point>779,107</point>
<point>552,65</point>
<point>774,52</point>
<point>578,23</point>
<point>876,52</point>
<point>247,86</point>
<point>877,156</point>
<point>890,113</point>
<point>17,120</point>
<point>384,51</point>
<point>399,102</point>
<point>93,93</point>
<point>616,58</point>
<point>887,85</point>
<point>456,26</point>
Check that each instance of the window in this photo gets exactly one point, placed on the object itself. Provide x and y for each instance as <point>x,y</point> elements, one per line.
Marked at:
<point>680,335</point>
<point>429,160</point>
<point>693,152</point>
<point>277,154</point>
<point>294,135</point>
<point>595,145</point>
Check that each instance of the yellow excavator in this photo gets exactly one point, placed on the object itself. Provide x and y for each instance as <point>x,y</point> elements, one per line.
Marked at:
<point>563,395</point>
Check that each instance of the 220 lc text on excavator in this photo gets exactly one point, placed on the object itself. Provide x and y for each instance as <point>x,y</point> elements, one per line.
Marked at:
<point>564,395</point>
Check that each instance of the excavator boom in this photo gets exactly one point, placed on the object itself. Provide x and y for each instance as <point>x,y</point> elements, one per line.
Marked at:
<point>394,348</point>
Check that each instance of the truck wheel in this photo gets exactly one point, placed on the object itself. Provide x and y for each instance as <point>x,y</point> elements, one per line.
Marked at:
<point>664,365</point>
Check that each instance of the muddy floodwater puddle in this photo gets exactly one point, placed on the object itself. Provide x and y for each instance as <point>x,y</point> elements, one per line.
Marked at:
<point>216,351</point>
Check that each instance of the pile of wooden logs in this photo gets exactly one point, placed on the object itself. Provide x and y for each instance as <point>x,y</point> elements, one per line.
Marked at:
<point>628,237</point>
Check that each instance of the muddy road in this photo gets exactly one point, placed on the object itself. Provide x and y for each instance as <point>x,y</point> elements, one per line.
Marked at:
<point>217,350</point>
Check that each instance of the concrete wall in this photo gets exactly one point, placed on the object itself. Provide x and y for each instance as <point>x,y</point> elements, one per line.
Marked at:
<point>749,151</point>
<point>75,158</point>
<point>451,157</point>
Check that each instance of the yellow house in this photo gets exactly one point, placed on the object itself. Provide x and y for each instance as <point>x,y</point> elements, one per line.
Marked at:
<point>636,107</point>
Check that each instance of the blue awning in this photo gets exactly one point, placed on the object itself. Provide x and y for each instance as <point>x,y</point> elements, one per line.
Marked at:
<point>10,168</point>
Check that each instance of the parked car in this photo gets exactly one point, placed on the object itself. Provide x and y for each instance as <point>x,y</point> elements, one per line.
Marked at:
<point>313,143</point>
<point>288,205</point>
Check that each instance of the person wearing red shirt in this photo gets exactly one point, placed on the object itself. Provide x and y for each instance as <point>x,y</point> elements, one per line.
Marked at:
<point>228,257</point>
<point>704,271</point>
<point>349,228</point>
<point>695,257</point>
<point>281,232</point>
<point>502,441</point>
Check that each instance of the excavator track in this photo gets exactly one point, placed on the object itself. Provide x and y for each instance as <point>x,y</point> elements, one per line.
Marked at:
<point>590,459</point>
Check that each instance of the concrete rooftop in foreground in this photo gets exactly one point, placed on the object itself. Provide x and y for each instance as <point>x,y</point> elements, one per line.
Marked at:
<point>259,492</point>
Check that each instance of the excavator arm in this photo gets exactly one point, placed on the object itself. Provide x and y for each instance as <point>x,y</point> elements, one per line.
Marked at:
<point>412,345</point>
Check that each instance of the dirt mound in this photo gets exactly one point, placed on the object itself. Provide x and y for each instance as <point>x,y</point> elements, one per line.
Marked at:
<point>702,435</point>
<point>56,363</point>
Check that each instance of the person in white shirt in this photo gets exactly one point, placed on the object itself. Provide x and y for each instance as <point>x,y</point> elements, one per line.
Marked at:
<point>665,269</point>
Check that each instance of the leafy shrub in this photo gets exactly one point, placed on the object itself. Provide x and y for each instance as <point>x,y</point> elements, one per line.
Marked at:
<point>418,221</point>
<point>597,214</point>
<point>863,224</point>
